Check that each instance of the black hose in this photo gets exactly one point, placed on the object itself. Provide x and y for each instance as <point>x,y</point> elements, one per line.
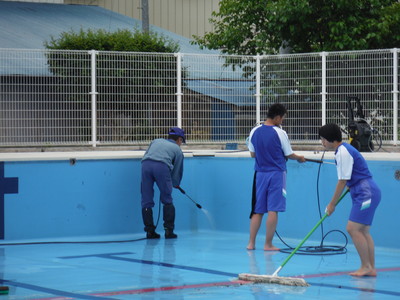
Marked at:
<point>320,249</point>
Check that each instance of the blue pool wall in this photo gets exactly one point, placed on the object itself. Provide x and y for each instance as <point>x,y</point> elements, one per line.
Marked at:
<point>64,199</point>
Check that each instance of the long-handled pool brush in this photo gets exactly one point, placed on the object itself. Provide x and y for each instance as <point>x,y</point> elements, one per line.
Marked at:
<point>274,278</point>
<point>4,290</point>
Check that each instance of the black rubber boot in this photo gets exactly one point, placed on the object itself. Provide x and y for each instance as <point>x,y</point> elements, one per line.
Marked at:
<point>152,235</point>
<point>169,221</point>
<point>147,214</point>
<point>169,234</point>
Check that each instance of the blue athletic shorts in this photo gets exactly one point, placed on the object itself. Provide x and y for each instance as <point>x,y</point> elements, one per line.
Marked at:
<point>365,196</point>
<point>270,192</point>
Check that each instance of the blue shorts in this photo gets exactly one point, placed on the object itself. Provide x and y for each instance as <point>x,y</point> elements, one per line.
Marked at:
<point>270,192</point>
<point>365,196</point>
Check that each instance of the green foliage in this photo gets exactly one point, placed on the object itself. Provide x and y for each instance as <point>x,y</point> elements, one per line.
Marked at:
<point>388,28</point>
<point>125,74</point>
<point>140,70</point>
<point>120,40</point>
<point>250,27</point>
<point>238,27</point>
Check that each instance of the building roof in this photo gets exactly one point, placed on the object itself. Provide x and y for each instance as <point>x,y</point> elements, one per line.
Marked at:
<point>27,25</point>
<point>236,92</point>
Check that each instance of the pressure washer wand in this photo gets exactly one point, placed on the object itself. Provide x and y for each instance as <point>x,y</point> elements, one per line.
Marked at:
<point>183,192</point>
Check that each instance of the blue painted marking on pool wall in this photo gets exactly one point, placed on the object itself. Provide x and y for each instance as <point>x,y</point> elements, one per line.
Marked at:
<point>100,197</point>
<point>7,186</point>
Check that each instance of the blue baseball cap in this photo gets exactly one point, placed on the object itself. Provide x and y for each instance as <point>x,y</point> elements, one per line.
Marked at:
<point>179,132</point>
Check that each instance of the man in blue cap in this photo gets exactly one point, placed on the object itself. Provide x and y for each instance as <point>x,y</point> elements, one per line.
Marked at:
<point>162,164</point>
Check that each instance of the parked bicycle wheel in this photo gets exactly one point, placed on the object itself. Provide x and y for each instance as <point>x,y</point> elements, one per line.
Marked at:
<point>375,140</point>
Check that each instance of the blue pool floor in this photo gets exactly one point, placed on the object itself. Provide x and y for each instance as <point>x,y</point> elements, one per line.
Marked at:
<point>197,265</point>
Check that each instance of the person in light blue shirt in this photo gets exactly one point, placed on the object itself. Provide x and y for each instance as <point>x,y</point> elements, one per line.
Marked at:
<point>162,164</point>
<point>353,172</point>
<point>270,146</point>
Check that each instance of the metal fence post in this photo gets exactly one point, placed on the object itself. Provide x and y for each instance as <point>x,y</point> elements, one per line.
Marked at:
<point>323,88</point>
<point>179,88</point>
<point>93,94</point>
<point>395,95</point>
<point>258,89</point>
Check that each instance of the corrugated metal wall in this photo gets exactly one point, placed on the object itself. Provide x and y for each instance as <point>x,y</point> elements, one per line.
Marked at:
<point>184,17</point>
<point>39,1</point>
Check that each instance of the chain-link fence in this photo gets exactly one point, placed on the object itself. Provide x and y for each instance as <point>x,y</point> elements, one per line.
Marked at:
<point>50,98</point>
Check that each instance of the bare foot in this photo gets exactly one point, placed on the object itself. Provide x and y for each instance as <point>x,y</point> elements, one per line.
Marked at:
<point>364,272</point>
<point>271,248</point>
<point>251,246</point>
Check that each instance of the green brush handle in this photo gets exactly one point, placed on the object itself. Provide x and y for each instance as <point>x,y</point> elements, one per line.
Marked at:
<point>307,236</point>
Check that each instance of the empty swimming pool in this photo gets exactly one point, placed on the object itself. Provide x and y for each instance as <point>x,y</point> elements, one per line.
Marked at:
<point>72,229</point>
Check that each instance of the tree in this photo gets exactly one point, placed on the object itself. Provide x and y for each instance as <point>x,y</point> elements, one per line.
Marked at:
<point>250,27</point>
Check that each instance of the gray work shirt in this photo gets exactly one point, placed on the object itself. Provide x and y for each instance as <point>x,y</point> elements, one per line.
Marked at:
<point>168,152</point>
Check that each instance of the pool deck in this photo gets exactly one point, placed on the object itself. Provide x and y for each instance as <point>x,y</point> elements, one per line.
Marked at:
<point>123,154</point>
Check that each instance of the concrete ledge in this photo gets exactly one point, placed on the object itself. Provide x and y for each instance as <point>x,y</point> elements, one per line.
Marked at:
<point>138,154</point>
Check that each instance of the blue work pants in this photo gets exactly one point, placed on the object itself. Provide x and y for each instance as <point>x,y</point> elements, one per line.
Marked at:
<point>159,173</point>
